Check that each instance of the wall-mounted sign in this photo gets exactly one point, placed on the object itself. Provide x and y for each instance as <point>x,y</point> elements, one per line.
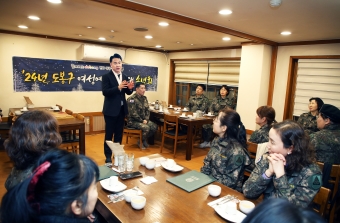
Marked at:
<point>34,74</point>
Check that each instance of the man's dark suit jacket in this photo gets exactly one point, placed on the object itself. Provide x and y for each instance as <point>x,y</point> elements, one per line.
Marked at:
<point>113,96</point>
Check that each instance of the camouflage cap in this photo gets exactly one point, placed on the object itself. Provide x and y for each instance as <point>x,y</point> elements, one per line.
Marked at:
<point>332,112</point>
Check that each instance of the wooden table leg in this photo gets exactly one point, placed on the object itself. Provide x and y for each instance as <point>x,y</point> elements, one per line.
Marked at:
<point>82,139</point>
<point>189,141</point>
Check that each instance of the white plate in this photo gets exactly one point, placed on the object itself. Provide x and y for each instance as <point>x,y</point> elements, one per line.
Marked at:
<point>237,217</point>
<point>22,110</point>
<point>185,110</point>
<point>208,115</point>
<point>113,188</point>
<point>175,168</point>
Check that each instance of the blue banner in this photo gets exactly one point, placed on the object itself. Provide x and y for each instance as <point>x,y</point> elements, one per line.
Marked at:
<point>34,74</point>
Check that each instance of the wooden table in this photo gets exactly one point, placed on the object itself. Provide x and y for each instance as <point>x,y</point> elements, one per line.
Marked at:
<point>191,123</point>
<point>165,202</point>
<point>65,124</point>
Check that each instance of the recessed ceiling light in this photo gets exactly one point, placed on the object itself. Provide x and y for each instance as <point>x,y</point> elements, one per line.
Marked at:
<point>192,44</point>
<point>33,17</point>
<point>178,42</point>
<point>55,1</point>
<point>225,12</point>
<point>102,38</point>
<point>80,35</point>
<point>112,31</point>
<point>121,41</point>
<point>286,33</point>
<point>89,27</point>
<point>158,46</point>
<point>226,38</point>
<point>163,24</point>
<point>23,27</point>
<point>148,37</point>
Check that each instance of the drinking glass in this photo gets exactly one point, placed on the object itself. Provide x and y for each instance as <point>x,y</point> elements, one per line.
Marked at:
<point>129,162</point>
<point>121,162</point>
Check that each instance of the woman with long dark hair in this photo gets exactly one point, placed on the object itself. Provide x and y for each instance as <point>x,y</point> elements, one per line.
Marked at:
<point>62,188</point>
<point>265,117</point>
<point>288,170</point>
<point>228,155</point>
<point>31,135</point>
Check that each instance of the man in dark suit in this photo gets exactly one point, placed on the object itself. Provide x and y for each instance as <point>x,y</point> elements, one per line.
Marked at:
<point>114,87</point>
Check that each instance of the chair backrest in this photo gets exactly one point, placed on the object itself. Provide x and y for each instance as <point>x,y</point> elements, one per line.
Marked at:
<point>321,198</point>
<point>252,149</point>
<point>80,117</point>
<point>334,177</point>
<point>69,112</point>
<point>170,120</point>
<point>60,107</point>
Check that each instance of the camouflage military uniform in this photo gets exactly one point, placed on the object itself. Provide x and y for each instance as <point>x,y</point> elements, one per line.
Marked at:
<point>216,105</point>
<point>298,188</point>
<point>200,102</point>
<point>308,122</point>
<point>261,135</point>
<point>138,111</point>
<point>327,144</point>
<point>226,162</point>
<point>17,176</point>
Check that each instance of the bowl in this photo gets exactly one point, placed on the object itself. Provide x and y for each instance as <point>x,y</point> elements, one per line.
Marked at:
<point>129,194</point>
<point>150,164</point>
<point>138,202</point>
<point>246,206</point>
<point>214,190</point>
<point>143,160</point>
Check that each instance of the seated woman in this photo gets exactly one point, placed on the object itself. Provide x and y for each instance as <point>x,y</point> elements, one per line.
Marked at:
<point>32,134</point>
<point>308,120</point>
<point>288,170</point>
<point>62,188</point>
<point>327,140</point>
<point>265,117</point>
<point>221,101</point>
<point>228,155</point>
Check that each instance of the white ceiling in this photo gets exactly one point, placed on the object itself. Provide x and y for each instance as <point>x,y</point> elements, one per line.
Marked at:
<point>308,20</point>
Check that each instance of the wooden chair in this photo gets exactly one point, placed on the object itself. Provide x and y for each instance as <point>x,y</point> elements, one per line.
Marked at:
<point>69,112</point>
<point>252,149</point>
<point>334,181</point>
<point>60,107</point>
<point>131,132</point>
<point>321,199</point>
<point>171,123</point>
<point>71,141</point>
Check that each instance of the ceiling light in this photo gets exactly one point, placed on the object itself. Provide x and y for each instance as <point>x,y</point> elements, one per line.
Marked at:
<point>225,12</point>
<point>163,24</point>
<point>112,31</point>
<point>226,38</point>
<point>121,41</point>
<point>286,33</point>
<point>89,27</point>
<point>158,46</point>
<point>102,38</point>
<point>148,37</point>
<point>178,42</point>
<point>192,44</point>
<point>33,17</point>
<point>55,1</point>
<point>23,27</point>
<point>80,35</point>
<point>275,3</point>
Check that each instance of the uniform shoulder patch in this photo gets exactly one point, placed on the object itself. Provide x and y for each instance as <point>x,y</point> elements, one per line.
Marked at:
<point>315,181</point>
<point>238,160</point>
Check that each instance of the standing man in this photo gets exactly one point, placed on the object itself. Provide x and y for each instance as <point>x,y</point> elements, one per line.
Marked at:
<point>198,101</point>
<point>114,87</point>
<point>139,114</point>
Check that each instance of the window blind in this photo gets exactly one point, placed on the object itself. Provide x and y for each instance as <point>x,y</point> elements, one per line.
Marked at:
<point>220,72</point>
<point>317,78</point>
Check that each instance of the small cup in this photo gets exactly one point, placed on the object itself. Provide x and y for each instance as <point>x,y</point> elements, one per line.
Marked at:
<point>170,163</point>
<point>194,115</point>
<point>150,164</point>
<point>113,181</point>
<point>143,160</point>
<point>129,194</point>
<point>121,162</point>
<point>24,108</point>
<point>214,190</point>
<point>231,207</point>
<point>183,114</point>
<point>138,202</point>
<point>129,162</point>
<point>246,206</point>
<point>209,113</point>
<point>170,106</point>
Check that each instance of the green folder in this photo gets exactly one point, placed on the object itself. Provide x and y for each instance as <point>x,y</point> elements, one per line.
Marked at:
<point>191,181</point>
<point>106,172</point>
